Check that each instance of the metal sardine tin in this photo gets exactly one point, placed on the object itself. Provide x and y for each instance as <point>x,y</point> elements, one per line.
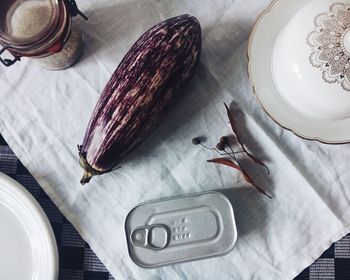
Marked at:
<point>180,229</point>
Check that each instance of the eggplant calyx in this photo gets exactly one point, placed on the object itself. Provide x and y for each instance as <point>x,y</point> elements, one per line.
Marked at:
<point>86,177</point>
<point>89,171</point>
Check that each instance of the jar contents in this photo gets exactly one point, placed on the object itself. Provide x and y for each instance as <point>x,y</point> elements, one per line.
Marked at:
<point>29,19</point>
<point>70,53</point>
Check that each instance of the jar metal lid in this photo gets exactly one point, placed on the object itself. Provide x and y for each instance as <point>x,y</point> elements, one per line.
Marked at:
<point>9,13</point>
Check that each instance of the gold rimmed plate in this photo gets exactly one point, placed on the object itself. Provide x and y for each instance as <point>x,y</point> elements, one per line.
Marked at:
<point>299,65</point>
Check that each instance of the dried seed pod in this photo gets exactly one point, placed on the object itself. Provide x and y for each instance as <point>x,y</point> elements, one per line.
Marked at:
<point>224,140</point>
<point>196,141</point>
<point>220,146</point>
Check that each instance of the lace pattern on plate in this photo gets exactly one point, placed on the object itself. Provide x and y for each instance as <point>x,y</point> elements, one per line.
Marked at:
<point>328,48</point>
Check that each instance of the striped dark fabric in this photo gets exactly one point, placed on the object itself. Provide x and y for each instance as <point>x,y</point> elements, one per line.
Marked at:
<point>78,262</point>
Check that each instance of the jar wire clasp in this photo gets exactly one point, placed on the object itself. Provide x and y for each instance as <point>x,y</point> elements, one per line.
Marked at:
<point>6,61</point>
<point>74,10</point>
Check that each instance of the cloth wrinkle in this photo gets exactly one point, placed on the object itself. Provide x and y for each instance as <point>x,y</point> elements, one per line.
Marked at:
<point>44,115</point>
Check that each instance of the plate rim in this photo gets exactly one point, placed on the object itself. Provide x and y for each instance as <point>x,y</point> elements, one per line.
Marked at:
<point>264,13</point>
<point>43,220</point>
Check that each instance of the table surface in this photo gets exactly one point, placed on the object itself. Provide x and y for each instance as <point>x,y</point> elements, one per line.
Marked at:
<point>78,262</point>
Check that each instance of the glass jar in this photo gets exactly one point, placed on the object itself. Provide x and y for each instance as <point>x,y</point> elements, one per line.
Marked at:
<point>40,29</point>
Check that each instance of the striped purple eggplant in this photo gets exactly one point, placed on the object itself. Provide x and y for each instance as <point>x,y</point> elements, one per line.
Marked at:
<point>139,93</point>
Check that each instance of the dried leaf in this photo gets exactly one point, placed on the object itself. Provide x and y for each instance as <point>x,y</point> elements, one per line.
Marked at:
<point>250,180</point>
<point>227,162</point>
<point>254,158</point>
<point>232,122</point>
<point>235,132</point>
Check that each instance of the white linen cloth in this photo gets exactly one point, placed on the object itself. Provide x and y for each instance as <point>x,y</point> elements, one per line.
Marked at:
<point>44,114</point>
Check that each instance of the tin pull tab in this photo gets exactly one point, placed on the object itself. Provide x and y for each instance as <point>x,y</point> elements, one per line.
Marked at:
<point>154,237</point>
<point>158,237</point>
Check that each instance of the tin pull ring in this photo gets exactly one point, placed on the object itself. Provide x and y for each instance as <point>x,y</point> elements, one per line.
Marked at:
<point>6,61</point>
<point>155,237</point>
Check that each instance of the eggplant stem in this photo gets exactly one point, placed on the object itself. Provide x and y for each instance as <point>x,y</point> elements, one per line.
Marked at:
<point>86,177</point>
<point>89,171</point>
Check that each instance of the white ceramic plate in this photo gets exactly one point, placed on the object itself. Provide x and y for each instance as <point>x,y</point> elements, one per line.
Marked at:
<point>299,53</point>
<point>28,248</point>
